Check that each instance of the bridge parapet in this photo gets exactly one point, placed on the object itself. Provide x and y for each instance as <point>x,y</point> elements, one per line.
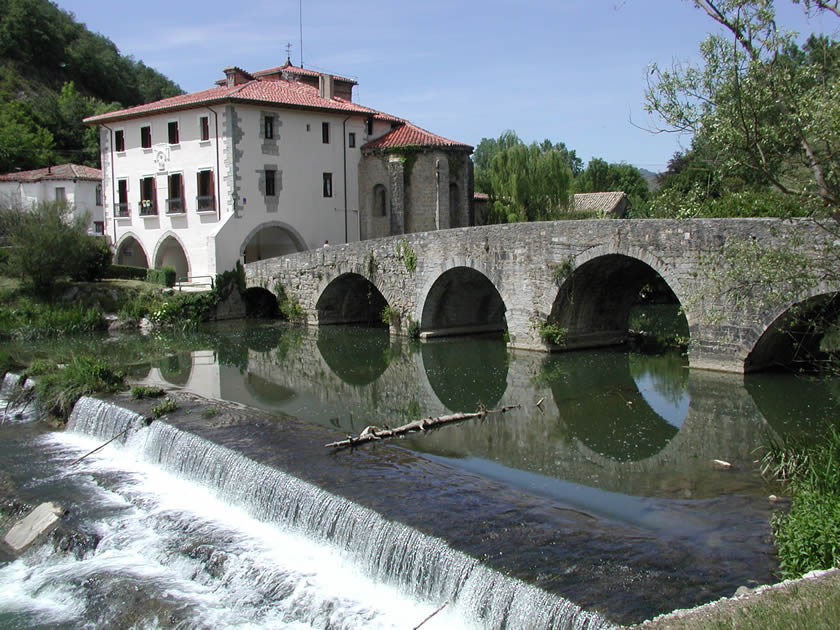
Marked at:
<point>583,274</point>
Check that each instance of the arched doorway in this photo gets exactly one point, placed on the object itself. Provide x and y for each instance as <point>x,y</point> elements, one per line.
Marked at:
<point>171,254</point>
<point>270,241</point>
<point>130,252</point>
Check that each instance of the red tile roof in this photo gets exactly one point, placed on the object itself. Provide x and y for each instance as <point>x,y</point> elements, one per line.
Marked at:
<point>410,135</point>
<point>287,93</point>
<point>294,94</point>
<point>290,68</point>
<point>57,172</point>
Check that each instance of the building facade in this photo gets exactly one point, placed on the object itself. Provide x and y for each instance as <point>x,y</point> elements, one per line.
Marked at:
<point>265,164</point>
<point>79,186</point>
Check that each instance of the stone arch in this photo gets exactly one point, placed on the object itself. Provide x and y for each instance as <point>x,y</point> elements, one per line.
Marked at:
<point>260,303</point>
<point>461,300</point>
<point>170,252</point>
<point>601,286</point>
<point>351,299</point>
<point>269,240</point>
<point>791,335</point>
<point>130,251</point>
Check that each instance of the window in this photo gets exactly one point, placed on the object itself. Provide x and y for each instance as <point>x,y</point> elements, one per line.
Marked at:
<point>148,194</point>
<point>325,132</point>
<point>173,132</point>
<point>269,127</point>
<point>327,184</point>
<point>270,178</point>
<point>99,194</point>
<point>146,137</point>
<point>175,203</point>
<point>119,140</point>
<point>379,207</point>
<point>99,228</point>
<point>351,140</point>
<point>60,194</point>
<point>204,128</point>
<point>206,193</point>
<point>370,126</point>
<point>122,196</point>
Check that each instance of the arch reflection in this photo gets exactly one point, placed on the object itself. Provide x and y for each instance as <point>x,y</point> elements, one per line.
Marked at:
<point>468,373</point>
<point>600,404</point>
<point>356,356</point>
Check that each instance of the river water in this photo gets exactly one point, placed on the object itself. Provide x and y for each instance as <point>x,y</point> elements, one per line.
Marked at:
<point>607,494</point>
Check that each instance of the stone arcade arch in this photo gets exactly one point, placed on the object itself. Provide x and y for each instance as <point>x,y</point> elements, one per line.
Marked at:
<point>793,338</point>
<point>462,301</point>
<point>270,240</point>
<point>129,251</point>
<point>595,300</point>
<point>351,299</point>
<point>171,253</point>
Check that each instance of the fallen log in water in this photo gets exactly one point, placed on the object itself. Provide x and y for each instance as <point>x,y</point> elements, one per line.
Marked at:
<point>371,434</point>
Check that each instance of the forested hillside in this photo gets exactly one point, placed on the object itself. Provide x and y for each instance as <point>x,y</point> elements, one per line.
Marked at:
<point>53,73</point>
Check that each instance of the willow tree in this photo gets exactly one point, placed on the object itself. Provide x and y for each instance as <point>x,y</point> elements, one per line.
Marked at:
<point>528,183</point>
<point>770,108</point>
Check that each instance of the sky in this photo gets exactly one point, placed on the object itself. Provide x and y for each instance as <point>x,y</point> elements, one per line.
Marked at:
<point>571,71</point>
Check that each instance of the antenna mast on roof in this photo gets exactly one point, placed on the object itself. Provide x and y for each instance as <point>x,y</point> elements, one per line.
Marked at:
<point>289,53</point>
<point>300,19</point>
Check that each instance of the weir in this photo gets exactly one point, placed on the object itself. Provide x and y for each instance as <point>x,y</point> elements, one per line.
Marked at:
<point>417,565</point>
<point>15,409</point>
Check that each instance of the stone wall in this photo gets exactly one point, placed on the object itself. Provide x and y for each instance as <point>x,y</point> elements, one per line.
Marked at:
<point>522,262</point>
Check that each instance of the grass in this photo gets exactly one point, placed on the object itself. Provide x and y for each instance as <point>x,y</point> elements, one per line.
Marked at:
<point>813,604</point>
<point>140,392</point>
<point>808,536</point>
<point>57,388</point>
<point>167,406</point>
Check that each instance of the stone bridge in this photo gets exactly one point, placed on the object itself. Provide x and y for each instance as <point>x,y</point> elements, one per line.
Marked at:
<point>584,276</point>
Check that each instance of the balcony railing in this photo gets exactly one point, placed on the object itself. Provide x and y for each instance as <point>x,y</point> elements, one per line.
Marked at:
<point>123,209</point>
<point>175,206</point>
<point>148,208</point>
<point>206,204</point>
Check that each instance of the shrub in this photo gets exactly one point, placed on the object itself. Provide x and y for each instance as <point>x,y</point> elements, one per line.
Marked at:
<point>140,392</point>
<point>551,332</point>
<point>46,244</point>
<point>126,272</point>
<point>808,536</point>
<point>184,310</point>
<point>93,259</point>
<point>165,277</point>
<point>58,390</point>
<point>165,407</point>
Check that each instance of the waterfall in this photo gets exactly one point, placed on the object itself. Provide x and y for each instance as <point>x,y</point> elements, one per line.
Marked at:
<point>418,565</point>
<point>100,419</point>
<point>15,406</point>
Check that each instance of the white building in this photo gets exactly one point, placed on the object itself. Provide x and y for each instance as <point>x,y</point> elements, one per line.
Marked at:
<point>79,186</point>
<point>262,165</point>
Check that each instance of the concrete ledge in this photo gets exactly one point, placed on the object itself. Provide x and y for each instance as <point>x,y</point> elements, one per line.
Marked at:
<point>42,520</point>
<point>461,330</point>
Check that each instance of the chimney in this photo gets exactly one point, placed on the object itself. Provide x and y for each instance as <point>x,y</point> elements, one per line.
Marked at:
<point>325,86</point>
<point>234,76</point>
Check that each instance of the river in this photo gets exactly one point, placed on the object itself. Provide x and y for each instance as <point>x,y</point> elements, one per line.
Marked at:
<point>606,494</point>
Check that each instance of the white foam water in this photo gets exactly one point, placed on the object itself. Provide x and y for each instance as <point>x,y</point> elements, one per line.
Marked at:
<point>212,539</point>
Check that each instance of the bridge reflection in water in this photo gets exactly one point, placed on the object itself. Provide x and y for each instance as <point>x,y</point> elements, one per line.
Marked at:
<point>631,424</point>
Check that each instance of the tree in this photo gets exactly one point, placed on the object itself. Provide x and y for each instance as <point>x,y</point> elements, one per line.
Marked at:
<point>48,243</point>
<point>528,183</point>
<point>24,144</point>
<point>769,109</point>
<point>601,176</point>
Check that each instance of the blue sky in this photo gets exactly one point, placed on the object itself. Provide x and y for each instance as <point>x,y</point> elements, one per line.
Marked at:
<point>571,71</point>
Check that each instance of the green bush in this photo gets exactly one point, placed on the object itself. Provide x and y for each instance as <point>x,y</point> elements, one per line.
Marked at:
<point>93,257</point>
<point>126,272</point>
<point>139,392</point>
<point>165,407</point>
<point>184,310</point>
<point>165,277</point>
<point>58,391</point>
<point>808,536</point>
<point>552,333</point>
